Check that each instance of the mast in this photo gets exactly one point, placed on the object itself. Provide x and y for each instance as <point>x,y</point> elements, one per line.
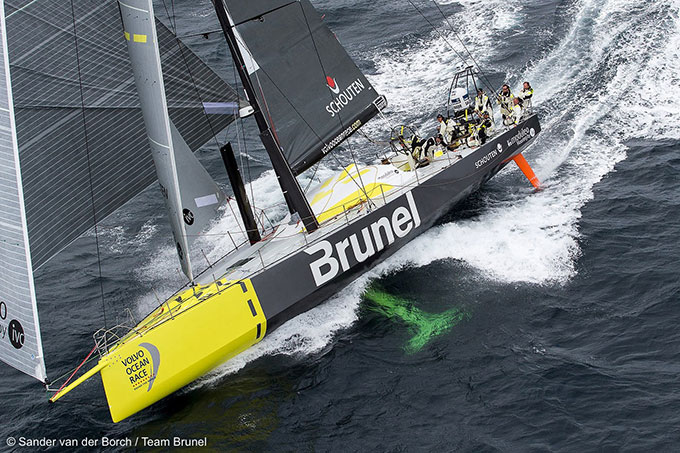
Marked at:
<point>292,191</point>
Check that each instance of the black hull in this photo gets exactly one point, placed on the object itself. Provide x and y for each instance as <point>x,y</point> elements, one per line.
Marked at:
<point>288,288</point>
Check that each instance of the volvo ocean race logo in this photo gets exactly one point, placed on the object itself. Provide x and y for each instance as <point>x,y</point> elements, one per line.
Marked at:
<point>142,366</point>
<point>337,257</point>
<point>343,98</point>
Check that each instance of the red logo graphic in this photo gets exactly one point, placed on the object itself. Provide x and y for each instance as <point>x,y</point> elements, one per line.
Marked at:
<point>332,84</point>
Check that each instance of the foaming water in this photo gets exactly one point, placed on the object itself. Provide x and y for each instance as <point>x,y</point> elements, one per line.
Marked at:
<point>534,238</point>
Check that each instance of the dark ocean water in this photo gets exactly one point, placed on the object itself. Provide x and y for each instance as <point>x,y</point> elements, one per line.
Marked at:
<point>568,338</point>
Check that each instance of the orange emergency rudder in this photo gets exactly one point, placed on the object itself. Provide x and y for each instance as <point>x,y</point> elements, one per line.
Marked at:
<point>526,169</point>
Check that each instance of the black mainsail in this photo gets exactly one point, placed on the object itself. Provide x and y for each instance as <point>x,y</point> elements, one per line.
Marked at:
<point>312,93</point>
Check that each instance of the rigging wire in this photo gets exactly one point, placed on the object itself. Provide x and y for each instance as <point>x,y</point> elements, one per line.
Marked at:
<point>243,150</point>
<point>435,29</point>
<point>89,163</point>
<point>448,43</point>
<point>342,123</point>
<point>311,180</point>
<point>481,71</point>
<point>191,76</point>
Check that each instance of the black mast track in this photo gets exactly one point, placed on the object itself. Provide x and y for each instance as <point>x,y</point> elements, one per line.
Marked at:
<point>292,192</point>
<point>240,194</point>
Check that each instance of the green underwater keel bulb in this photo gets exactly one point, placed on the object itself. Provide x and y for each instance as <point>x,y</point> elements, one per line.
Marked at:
<point>425,326</point>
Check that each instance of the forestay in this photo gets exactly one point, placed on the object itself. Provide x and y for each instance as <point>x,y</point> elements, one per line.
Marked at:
<point>312,93</point>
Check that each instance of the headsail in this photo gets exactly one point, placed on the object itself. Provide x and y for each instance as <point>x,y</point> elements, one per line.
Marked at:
<point>20,344</point>
<point>308,86</point>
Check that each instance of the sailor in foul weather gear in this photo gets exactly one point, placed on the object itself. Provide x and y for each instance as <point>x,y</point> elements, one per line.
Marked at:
<point>431,147</point>
<point>517,112</point>
<point>446,126</point>
<point>525,95</point>
<point>505,100</point>
<point>484,128</point>
<point>482,102</point>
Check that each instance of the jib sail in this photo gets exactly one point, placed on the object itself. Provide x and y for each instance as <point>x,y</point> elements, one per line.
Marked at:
<point>312,93</point>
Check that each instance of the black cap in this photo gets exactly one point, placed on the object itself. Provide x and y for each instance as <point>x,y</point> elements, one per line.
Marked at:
<point>440,116</point>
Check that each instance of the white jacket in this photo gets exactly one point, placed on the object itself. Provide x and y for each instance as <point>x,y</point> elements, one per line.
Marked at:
<point>526,96</point>
<point>446,129</point>
<point>517,113</point>
<point>482,104</point>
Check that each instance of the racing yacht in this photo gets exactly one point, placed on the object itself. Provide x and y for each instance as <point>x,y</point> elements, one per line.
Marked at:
<point>307,97</point>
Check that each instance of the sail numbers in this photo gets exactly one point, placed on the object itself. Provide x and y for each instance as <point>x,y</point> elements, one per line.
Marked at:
<point>3,310</point>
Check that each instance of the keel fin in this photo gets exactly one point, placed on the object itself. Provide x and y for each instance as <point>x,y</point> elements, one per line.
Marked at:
<point>526,169</point>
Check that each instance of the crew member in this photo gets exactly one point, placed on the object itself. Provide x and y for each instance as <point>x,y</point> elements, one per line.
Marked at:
<point>482,102</point>
<point>445,127</point>
<point>505,100</point>
<point>430,148</point>
<point>485,127</point>
<point>416,147</point>
<point>517,111</point>
<point>525,95</point>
